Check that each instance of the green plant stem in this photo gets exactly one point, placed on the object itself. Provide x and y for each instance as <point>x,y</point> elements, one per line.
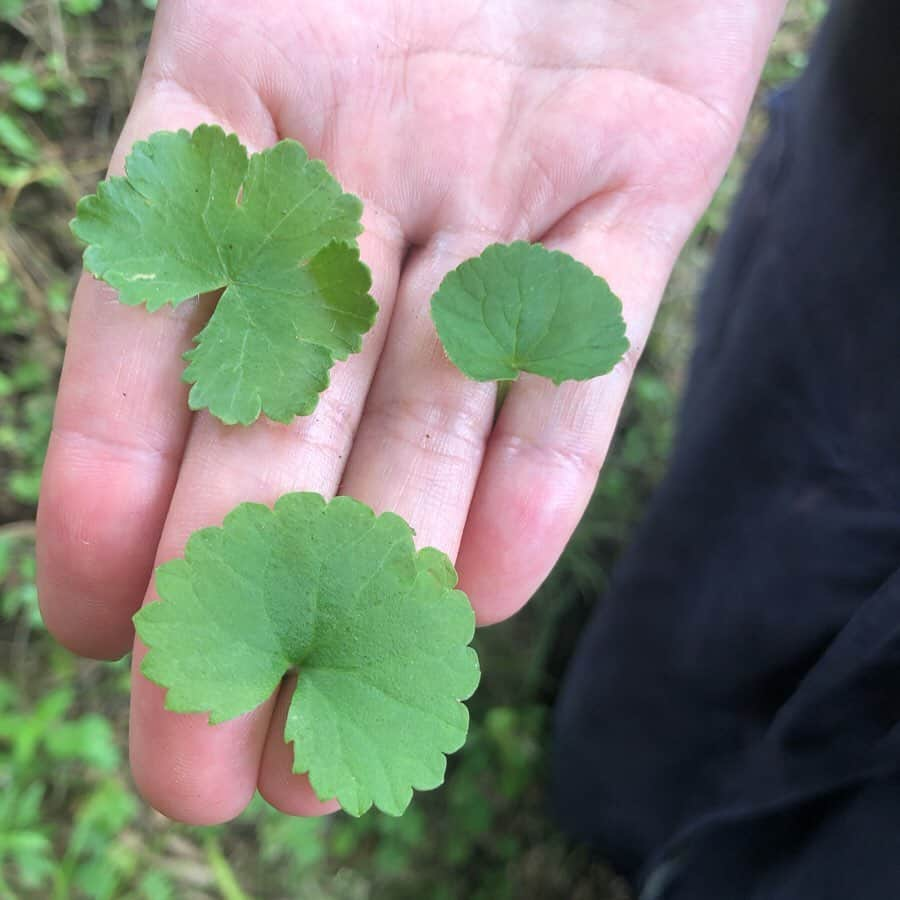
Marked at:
<point>226,880</point>
<point>502,390</point>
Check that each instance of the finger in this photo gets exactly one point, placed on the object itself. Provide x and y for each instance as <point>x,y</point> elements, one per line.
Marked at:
<point>416,452</point>
<point>211,783</point>
<point>119,429</point>
<point>549,442</point>
<point>292,794</point>
<point>222,467</point>
<point>423,432</point>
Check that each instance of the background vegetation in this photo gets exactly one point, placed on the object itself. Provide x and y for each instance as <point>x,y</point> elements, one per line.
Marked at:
<point>70,823</point>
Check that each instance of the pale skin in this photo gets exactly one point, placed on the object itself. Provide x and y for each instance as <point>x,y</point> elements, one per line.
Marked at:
<point>600,128</point>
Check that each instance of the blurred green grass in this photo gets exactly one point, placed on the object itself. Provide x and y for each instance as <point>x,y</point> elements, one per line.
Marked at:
<point>70,823</point>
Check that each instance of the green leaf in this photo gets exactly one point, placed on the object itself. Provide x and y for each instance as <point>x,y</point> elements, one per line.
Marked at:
<point>106,813</point>
<point>89,739</point>
<point>375,631</point>
<point>155,885</point>
<point>11,9</point>
<point>522,308</point>
<point>24,88</point>
<point>257,332</point>
<point>16,139</point>
<point>195,214</point>
<point>81,7</point>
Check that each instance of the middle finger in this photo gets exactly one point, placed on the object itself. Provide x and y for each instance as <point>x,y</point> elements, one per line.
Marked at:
<point>186,768</point>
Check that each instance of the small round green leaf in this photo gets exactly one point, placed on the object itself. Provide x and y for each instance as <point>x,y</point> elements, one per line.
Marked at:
<point>374,629</point>
<point>522,308</point>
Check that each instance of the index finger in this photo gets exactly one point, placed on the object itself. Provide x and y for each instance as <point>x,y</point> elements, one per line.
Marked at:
<point>121,421</point>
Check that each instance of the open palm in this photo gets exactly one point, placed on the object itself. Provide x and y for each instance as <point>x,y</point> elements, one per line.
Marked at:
<point>597,127</point>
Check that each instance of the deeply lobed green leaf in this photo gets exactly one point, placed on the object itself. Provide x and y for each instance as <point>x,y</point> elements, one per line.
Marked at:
<point>195,214</point>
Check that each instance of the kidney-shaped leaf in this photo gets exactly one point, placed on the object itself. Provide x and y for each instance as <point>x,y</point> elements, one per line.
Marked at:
<point>522,308</point>
<point>375,631</point>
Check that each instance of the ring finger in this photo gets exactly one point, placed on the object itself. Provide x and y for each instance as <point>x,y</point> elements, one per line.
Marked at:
<point>417,453</point>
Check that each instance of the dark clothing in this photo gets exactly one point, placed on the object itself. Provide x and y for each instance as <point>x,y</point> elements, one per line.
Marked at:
<point>729,728</point>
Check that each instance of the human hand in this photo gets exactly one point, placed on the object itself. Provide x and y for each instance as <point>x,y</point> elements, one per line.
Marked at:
<point>597,127</point>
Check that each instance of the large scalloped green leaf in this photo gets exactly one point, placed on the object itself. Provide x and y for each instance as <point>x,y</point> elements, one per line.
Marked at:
<point>374,629</point>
